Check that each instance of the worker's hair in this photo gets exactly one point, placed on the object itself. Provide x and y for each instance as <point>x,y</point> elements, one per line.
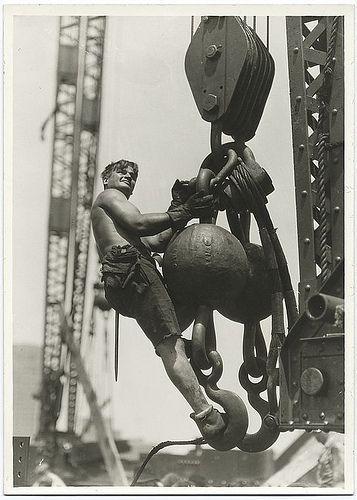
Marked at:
<point>118,166</point>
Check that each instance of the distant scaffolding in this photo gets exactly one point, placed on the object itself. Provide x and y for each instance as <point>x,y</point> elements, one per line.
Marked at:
<point>76,131</point>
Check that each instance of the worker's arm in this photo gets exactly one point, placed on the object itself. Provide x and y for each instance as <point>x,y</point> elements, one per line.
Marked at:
<point>126,215</point>
<point>180,194</point>
<point>159,242</point>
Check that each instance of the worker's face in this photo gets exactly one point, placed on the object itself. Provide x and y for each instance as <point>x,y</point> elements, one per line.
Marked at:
<point>124,181</point>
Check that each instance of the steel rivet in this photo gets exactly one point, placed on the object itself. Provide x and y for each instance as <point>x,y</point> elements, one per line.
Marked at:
<point>304,193</point>
<point>322,415</point>
<point>334,59</point>
<point>301,147</point>
<point>296,50</point>
<point>334,111</point>
<point>339,416</point>
<point>337,209</point>
<point>305,416</point>
<point>298,98</point>
<point>291,422</point>
<point>205,19</point>
<point>335,160</point>
<point>308,423</point>
<point>307,241</point>
<point>294,384</point>
<point>307,288</point>
<point>338,259</point>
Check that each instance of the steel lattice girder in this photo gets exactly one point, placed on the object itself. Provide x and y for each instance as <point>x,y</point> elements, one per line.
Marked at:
<point>77,114</point>
<point>311,364</point>
<point>307,49</point>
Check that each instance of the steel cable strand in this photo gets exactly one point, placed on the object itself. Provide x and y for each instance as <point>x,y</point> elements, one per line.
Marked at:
<point>260,345</point>
<point>254,366</point>
<point>265,436</point>
<point>260,213</point>
<point>321,193</point>
<point>277,326</point>
<point>235,225</point>
<point>249,345</point>
<point>257,206</point>
<point>322,148</point>
<point>264,220</point>
<point>328,68</point>
<point>159,447</point>
<point>250,200</point>
<point>239,226</point>
<point>238,217</point>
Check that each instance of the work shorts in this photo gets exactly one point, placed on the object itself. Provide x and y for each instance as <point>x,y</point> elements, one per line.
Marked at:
<point>135,289</point>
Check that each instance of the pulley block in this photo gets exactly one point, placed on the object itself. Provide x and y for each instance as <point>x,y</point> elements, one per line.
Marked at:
<point>230,72</point>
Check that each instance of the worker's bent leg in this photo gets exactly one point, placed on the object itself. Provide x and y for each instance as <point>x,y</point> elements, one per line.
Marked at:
<point>173,355</point>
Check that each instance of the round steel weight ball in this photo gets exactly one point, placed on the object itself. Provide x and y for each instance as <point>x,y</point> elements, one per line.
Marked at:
<point>255,303</point>
<point>205,264</point>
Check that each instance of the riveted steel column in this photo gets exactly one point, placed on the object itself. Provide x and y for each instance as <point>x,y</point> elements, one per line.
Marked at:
<point>299,102</point>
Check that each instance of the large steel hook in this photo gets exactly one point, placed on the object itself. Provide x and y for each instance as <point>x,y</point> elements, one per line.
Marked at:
<point>203,337</point>
<point>236,415</point>
<point>204,354</point>
<point>268,432</point>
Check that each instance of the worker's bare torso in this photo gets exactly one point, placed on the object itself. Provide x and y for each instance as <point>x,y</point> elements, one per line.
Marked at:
<point>108,233</point>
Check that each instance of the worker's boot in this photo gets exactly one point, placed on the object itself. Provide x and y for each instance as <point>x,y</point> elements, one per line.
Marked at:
<point>210,422</point>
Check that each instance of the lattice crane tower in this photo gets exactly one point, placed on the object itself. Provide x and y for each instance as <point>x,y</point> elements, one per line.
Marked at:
<point>76,133</point>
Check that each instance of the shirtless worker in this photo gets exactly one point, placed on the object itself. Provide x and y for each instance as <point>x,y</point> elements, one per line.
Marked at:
<point>133,287</point>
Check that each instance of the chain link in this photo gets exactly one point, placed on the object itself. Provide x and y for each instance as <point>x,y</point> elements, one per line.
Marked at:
<point>257,363</point>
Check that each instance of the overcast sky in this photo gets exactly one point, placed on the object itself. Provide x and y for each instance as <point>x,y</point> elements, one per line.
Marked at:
<point>148,116</point>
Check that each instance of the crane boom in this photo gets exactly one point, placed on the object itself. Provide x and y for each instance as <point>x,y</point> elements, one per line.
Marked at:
<point>76,132</point>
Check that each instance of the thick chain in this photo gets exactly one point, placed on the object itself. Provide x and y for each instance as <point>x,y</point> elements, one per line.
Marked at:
<point>257,362</point>
<point>204,355</point>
